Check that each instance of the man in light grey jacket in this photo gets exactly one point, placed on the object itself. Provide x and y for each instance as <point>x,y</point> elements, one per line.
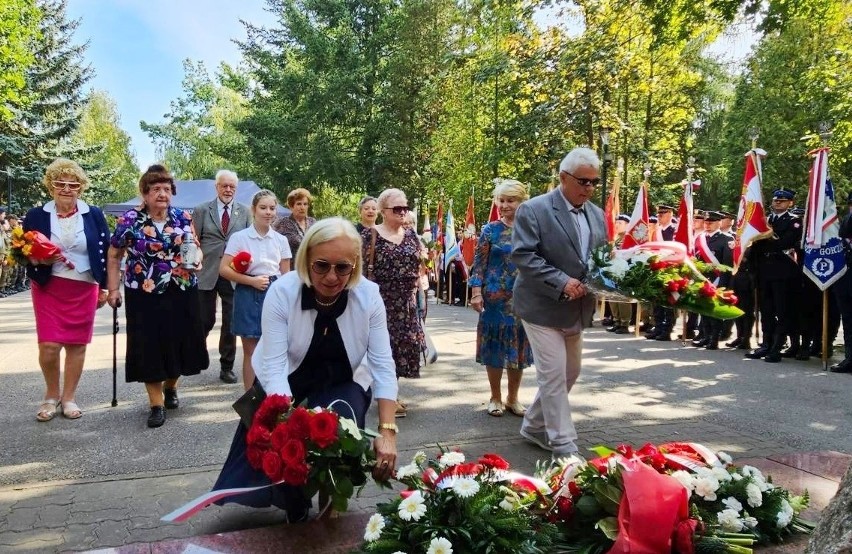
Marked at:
<point>215,222</point>
<point>552,238</point>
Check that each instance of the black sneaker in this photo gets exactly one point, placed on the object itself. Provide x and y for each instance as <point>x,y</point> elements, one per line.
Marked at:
<point>227,375</point>
<point>157,417</point>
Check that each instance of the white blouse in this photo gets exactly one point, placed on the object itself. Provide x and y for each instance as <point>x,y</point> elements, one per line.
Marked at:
<point>287,330</point>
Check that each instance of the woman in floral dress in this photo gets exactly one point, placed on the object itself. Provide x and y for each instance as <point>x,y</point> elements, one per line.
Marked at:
<point>394,264</point>
<point>501,341</point>
<point>165,337</point>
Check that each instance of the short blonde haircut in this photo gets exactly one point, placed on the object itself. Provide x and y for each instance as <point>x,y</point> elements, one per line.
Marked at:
<point>298,194</point>
<point>323,231</point>
<point>511,189</point>
<point>64,168</point>
<point>386,195</point>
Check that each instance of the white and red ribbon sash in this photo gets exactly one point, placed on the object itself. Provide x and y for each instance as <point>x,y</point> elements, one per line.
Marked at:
<point>191,508</point>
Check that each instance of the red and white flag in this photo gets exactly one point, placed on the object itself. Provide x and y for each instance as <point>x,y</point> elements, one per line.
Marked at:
<point>469,237</point>
<point>684,233</point>
<point>494,214</point>
<point>824,251</point>
<point>637,229</point>
<point>751,217</point>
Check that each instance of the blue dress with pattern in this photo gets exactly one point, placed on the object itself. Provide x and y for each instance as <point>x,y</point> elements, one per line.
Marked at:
<point>500,337</point>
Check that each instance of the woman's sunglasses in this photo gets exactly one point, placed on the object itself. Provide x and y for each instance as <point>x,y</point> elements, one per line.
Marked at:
<point>72,185</point>
<point>342,269</point>
<point>399,210</point>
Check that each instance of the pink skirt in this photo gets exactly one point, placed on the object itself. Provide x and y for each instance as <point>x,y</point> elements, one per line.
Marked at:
<point>65,310</point>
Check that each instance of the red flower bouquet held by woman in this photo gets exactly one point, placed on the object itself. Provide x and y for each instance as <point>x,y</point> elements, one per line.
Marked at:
<point>315,449</point>
<point>241,262</point>
<point>33,248</point>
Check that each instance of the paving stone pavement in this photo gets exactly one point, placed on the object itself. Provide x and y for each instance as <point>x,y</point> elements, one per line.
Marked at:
<point>630,392</point>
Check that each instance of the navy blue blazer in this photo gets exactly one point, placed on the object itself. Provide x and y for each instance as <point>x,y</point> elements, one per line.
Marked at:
<point>97,242</point>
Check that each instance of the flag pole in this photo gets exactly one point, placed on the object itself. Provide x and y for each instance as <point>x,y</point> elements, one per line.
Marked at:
<point>683,314</point>
<point>754,133</point>
<point>824,135</point>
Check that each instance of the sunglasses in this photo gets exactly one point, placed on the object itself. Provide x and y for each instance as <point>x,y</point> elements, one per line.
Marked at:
<point>72,185</point>
<point>342,269</point>
<point>585,182</point>
<point>399,210</point>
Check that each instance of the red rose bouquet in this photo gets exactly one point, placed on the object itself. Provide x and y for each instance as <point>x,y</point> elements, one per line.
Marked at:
<point>241,262</point>
<point>315,449</point>
<point>33,248</point>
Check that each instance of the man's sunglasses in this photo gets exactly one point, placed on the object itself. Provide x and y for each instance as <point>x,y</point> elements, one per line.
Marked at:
<point>342,269</point>
<point>584,182</point>
<point>399,210</point>
<point>72,185</point>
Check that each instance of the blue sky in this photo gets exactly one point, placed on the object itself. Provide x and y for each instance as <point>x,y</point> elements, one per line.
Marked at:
<point>137,48</point>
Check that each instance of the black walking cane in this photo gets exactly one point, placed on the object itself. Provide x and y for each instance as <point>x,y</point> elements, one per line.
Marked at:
<point>115,354</point>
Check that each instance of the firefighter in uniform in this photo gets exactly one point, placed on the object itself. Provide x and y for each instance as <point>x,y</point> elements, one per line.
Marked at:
<point>715,249</point>
<point>664,317</point>
<point>777,276</point>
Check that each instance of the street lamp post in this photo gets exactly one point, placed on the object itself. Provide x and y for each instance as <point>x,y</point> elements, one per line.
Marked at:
<point>607,159</point>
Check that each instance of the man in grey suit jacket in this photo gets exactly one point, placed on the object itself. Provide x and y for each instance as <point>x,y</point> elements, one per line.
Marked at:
<point>215,222</point>
<point>551,241</point>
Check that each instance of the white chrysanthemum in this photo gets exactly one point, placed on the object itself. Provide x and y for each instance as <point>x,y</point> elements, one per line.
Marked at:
<point>755,497</point>
<point>466,487</point>
<point>751,471</point>
<point>374,528</point>
<point>419,458</point>
<point>733,504</point>
<point>730,521</point>
<point>450,459</point>
<point>750,522</point>
<point>350,427</point>
<point>617,268</point>
<point>684,478</point>
<point>724,457</point>
<point>736,477</point>
<point>407,471</point>
<point>721,474</point>
<point>785,515</point>
<point>706,487</point>
<point>508,503</point>
<point>440,545</point>
<point>412,508</point>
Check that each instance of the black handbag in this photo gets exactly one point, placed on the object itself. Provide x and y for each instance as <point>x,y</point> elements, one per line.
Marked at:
<point>248,403</point>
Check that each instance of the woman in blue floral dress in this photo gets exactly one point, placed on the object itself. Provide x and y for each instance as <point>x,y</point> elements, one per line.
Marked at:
<point>394,264</point>
<point>165,338</point>
<point>501,341</point>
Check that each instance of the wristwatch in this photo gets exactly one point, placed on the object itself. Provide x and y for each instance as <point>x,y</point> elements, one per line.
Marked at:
<point>389,427</point>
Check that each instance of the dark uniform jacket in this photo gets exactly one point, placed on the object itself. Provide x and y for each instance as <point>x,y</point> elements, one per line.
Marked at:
<point>769,256</point>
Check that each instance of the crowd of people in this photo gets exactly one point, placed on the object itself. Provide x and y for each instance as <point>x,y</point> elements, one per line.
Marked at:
<point>328,311</point>
<point>13,277</point>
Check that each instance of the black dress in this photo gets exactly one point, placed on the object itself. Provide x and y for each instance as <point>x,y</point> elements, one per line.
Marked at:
<point>323,377</point>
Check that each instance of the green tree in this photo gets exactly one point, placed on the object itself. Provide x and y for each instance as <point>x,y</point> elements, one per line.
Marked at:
<point>18,31</point>
<point>200,136</point>
<point>110,163</point>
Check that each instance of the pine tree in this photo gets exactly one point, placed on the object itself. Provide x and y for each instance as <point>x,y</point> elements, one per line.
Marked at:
<point>54,87</point>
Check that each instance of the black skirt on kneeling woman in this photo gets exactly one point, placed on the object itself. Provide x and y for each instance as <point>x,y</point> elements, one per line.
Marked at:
<point>322,378</point>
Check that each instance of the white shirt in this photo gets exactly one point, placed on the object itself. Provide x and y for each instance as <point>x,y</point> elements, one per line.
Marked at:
<point>266,251</point>
<point>74,249</point>
<point>221,207</point>
<point>583,230</point>
<point>288,329</point>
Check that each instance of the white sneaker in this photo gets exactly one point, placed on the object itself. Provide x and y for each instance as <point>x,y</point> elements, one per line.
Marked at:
<point>538,439</point>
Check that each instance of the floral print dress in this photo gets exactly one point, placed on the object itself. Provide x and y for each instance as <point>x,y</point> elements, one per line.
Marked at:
<point>397,271</point>
<point>500,337</point>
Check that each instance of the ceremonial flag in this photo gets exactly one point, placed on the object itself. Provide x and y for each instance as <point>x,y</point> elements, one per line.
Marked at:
<point>494,214</point>
<point>451,247</point>
<point>612,209</point>
<point>468,243</point>
<point>426,226</point>
<point>438,232</point>
<point>751,218</point>
<point>637,229</point>
<point>825,259</point>
<point>684,232</point>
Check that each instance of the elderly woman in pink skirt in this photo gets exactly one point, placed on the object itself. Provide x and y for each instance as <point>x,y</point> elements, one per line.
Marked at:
<point>66,295</point>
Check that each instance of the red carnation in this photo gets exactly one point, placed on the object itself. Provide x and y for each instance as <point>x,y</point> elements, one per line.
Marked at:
<point>574,489</point>
<point>625,450</point>
<point>293,452</point>
<point>296,474</point>
<point>707,289</point>
<point>652,456</point>
<point>323,428</point>
<point>493,461</point>
<point>299,424</point>
<point>280,436</point>
<point>273,466</point>
<point>258,436</point>
<point>601,464</point>
<point>682,541</point>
